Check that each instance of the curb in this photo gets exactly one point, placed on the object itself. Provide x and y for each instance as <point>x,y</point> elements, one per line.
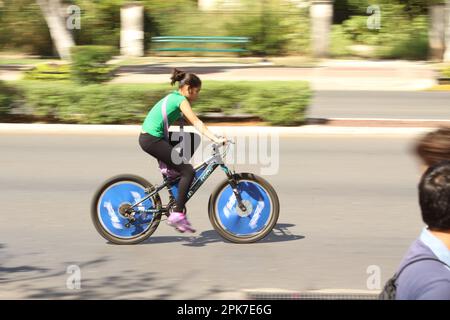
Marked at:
<point>280,294</point>
<point>328,294</point>
<point>83,129</point>
<point>380,122</point>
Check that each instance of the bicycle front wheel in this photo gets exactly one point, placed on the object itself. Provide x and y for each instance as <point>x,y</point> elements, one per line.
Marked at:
<point>259,218</point>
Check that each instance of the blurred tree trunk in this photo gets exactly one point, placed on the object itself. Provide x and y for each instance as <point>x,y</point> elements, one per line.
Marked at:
<point>62,38</point>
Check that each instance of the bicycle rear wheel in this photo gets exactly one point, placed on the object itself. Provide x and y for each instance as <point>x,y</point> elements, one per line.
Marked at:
<point>108,210</point>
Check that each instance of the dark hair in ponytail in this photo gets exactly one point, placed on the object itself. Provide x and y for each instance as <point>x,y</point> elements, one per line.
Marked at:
<point>184,78</point>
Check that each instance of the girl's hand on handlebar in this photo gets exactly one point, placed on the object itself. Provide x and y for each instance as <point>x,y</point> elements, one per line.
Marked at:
<point>221,140</point>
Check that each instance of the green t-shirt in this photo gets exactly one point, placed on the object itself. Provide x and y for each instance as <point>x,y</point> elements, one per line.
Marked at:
<point>154,122</point>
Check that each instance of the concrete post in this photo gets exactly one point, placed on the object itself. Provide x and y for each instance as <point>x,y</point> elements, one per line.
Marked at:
<point>207,5</point>
<point>436,31</point>
<point>447,32</point>
<point>132,30</point>
<point>321,13</point>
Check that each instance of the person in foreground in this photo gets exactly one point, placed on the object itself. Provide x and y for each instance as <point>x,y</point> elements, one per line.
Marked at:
<point>424,272</point>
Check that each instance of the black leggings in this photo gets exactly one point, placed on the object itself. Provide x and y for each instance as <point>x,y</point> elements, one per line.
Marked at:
<point>162,150</point>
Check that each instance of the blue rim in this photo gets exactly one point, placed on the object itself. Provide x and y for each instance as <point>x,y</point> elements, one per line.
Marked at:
<point>123,192</point>
<point>228,216</point>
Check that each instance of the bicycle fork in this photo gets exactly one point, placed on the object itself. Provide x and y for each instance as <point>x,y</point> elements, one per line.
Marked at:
<point>233,184</point>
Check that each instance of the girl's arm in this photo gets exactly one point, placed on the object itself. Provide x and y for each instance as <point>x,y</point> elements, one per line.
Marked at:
<point>197,123</point>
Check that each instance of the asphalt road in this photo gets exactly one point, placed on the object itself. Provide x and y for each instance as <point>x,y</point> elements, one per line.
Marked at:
<point>347,203</point>
<point>381,104</point>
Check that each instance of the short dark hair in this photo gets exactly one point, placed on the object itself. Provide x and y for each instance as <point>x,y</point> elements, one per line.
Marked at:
<point>434,147</point>
<point>434,196</point>
<point>185,78</point>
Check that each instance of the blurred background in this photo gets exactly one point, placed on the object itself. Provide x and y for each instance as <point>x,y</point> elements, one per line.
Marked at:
<point>48,48</point>
<point>357,82</point>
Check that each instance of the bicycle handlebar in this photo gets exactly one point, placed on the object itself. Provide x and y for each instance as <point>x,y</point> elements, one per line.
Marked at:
<point>215,145</point>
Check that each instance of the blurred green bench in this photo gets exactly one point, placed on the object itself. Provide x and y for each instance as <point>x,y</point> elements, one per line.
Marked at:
<point>200,40</point>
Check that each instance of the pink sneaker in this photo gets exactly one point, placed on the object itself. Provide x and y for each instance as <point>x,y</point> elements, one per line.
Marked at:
<point>178,221</point>
<point>185,225</point>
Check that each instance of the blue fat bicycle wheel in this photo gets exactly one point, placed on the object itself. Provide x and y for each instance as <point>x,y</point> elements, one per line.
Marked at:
<point>108,210</point>
<point>259,218</point>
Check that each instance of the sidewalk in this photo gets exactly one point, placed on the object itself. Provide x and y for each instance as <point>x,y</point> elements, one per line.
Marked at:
<point>326,75</point>
<point>342,75</point>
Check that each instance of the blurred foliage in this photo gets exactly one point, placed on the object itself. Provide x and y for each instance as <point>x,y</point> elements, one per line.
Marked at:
<point>100,22</point>
<point>275,27</point>
<point>340,42</point>
<point>359,7</point>
<point>68,102</point>
<point>277,102</point>
<point>49,71</point>
<point>407,39</point>
<point>403,32</point>
<point>89,63</point>
<point>22,27</point>
<point>8,95</point>
<point>345,9</point>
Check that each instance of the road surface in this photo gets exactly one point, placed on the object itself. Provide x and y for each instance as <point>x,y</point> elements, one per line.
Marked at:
<point>347,203</point>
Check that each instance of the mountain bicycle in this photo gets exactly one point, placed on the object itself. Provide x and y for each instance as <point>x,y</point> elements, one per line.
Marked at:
<point>244,208</point>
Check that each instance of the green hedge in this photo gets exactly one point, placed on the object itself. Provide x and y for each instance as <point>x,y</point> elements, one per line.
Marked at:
<point>279,103</point>
<point>89,63</point>
<point>446,72</point>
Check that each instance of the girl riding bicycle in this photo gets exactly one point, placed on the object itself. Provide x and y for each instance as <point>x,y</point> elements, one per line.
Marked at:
<point>153,142</point>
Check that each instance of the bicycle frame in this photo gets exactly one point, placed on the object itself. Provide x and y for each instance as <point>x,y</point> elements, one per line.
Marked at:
<point>208,167</point>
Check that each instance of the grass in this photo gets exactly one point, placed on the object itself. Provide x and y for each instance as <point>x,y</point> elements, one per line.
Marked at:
<point>288,61</point>
<point>439,87</point>
<point>25,61</point>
